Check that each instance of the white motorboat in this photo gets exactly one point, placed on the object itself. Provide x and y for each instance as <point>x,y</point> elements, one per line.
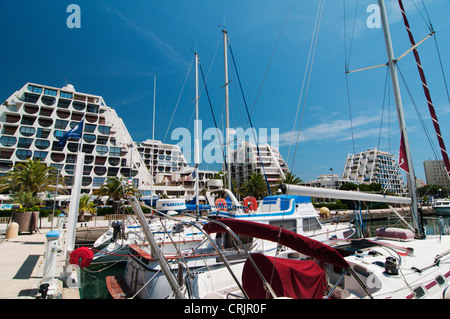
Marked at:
<point>442,207</point>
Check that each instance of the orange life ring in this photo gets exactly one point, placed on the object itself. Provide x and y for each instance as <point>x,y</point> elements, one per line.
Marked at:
<point>250,204</point>
<point>221,204</point>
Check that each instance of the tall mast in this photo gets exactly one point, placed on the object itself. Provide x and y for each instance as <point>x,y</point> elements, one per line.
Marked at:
<point>401,119</point>
<point>196,137</point>
<point>227,112</point>
<point>153,137</point>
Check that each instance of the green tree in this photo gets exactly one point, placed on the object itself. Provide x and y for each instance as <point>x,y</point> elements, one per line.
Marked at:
<point>26,198</point>
<point>30,176</point>
<point>85,206</point>
<point>255,186</point>
<point>290,178</point>
<point>116,189</point>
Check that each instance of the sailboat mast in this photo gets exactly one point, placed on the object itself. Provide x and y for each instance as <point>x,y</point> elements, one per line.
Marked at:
<point>398,102</point>
<point>153,139</point>
<point>196,138</point>
<point>227,112</point>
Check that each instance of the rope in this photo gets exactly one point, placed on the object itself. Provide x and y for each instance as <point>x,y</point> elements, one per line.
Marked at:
<point>312,49</point>
<point>178,101</point>
<point>250,120</point>
<point>270,60</point>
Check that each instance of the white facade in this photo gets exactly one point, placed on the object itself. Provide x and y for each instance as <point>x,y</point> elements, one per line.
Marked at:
<point>331,181</point>
<point>34,117</point>
<point>246,161</point>
<point>171,173</point>
<point>374,166</point>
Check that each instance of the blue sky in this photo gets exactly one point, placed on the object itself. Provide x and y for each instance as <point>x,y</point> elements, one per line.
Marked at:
<point>122,45</point>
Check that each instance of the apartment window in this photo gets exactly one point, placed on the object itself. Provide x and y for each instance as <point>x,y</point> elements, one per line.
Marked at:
<point>50,92</point>
<point>28,120</point>
<point>98,181</point>
<point>92,108</point>
<point>8,140</point>
<point>61,124</point>
<point>87,170</point>
<point>27,130</point>
<point>69,169</point>
<point>66,95</point>
<point>31,98</point>
<point>102,149</point>
<point>58,133</point>
<point>35,89</point>
<point>40,155</point>
<point>79,106</point>
<point>89,128</point>
<point>9,130</point>
<point>106,130</point>
<point>71,158</point>
<point>102,140</point>
<point>114,151</point>
<point>64,103</point>
<point>23,154</point>
<point>89,138</point>
<point>42,144</point>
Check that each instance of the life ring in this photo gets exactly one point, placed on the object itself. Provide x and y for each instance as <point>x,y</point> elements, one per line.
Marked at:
<point>250,204</point>
<point>221,204</point>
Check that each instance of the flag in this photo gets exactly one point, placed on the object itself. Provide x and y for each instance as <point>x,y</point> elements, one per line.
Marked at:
<point>192,176</point>
<point>76,132</point>
<point>402,162</point>
<point>130,180</point>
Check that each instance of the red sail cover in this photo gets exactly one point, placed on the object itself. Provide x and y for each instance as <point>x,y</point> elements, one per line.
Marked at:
<point>298,279</point>
<point>402,157</point>
<point>302,244</point>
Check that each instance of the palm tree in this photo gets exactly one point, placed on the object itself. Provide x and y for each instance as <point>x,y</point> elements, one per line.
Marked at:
<point>290,178</point>
<point>86,206</point>
<point>30,176</point>
<point>255,186</point>
<point>115,189</point>
<point>26,198</point>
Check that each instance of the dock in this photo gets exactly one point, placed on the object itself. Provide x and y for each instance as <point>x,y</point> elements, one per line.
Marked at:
<point>22,261</point>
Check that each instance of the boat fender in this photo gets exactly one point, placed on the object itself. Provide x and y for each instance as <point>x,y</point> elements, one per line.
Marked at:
<point>81,256</point>
<point>391,266</point>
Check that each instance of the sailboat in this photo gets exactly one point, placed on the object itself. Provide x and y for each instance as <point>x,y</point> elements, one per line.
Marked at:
<point>397,263</point>
<point>211,253</point>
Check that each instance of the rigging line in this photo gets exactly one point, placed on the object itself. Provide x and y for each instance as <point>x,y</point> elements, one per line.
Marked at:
<point>442,67</point>
<point>214,117</point>
<point>270,60</point>
<point>350,112</point>
<point>382,109</point>
<point>419,115</point>
<point>250,119</point>
<point>428,24</point>
<point>353,33</point>
<point>311,45</point>
<point>178,101</point>
<point>320,10</point>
